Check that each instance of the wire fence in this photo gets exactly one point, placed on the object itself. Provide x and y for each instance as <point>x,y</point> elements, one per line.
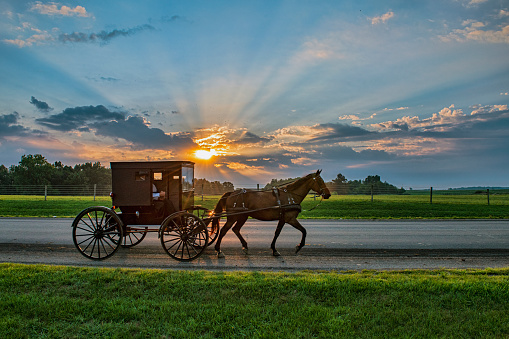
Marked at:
<point>96,190</point>
<point>56,190</point>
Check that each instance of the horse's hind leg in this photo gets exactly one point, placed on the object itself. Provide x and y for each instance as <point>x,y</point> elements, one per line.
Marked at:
<point>236,229</point>
<point>226,227</point>
<point>276,235</point>
<point>295,223</point>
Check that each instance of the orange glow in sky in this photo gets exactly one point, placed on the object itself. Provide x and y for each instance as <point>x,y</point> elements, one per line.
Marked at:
<point>204,154</point>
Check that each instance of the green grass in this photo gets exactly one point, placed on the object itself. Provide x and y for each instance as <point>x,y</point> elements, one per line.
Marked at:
<point>52,301</point>
<point>36,206</point>
<point>338,206</point>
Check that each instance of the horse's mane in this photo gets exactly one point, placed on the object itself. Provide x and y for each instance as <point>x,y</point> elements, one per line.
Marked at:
<point>296,182</point>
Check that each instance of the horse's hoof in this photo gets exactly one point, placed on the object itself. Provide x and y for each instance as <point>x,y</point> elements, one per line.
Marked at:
<point>245,250</point>
<point>220,255</point>
<point>298,248</point>
<point>276,254</point>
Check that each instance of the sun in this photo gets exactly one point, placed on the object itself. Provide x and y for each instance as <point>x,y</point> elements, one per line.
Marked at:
<point>204,154</point>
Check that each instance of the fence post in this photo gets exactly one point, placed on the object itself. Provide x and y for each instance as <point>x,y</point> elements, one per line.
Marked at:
<point>257,187</point>
<point>95,189</point>
<point>371,192</point>
<point>201,192</point>
<point>431,195</point>
<point>45,192</point>
<point>488,194</point>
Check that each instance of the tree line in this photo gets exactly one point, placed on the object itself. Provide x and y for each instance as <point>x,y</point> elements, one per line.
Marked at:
<point>371,185</point>
<point>36,170</point>
<point>340,185</point>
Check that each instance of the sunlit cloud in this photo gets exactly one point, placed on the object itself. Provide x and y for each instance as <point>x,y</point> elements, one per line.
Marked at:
<point>54,8</point>
<point>477,31</point>
<point>327,48</point>
<point>442,120</point>
<point>414,146</point>
<point>445,119</point>
<point>35,39</point>
<point>382,19</point>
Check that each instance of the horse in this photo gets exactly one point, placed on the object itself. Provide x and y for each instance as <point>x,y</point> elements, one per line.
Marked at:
<point>282,203</point>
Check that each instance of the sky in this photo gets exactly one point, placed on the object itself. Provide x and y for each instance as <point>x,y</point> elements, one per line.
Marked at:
<point>414,91</point>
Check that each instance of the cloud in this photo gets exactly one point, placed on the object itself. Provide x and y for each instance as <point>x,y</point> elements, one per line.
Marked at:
<point>356,118</point>
<point>35,39</point>
<point>79,118</point>
<point>41,105</point>
<point>9,126</point>
<point>53,9</point>
<point>103,36</point>
<point>382,18</point>
<point>475,2</point>
<point>479,31</point>
<point>136,131</point>
<point>103,122</point>
<point>329,48</point>
<point>447,117</point>
<point>248,138</point>
<point>318,133</point>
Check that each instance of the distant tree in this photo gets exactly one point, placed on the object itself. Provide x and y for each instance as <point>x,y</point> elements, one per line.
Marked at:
<point>32,170</point>
<point>372,183</point>
<point>63,175</point>
<point>5,176</point>
<point>93,173</point>
<point>228,187</point>
<point>339,184</point>
<point>278,182</point>
<point>203,186</point>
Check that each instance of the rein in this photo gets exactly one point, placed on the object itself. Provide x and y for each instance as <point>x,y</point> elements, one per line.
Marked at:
<point>315,205</point>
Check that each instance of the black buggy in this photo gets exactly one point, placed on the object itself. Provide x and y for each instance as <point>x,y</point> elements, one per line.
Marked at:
<point>145,194</point>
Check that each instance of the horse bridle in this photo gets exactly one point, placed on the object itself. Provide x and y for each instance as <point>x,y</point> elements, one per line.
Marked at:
<point>322,189</point>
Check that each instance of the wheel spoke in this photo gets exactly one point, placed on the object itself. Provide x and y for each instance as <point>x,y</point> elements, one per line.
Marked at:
<point>97,232</point>
<point>175,242</point>
<point>87,239</point>
<point>184,236</point>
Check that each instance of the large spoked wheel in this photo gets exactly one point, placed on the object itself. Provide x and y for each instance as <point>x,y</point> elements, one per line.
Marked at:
<point>204,214</point>
<point>133,236</point>
<point>97,232</point>
<point>184,236</point>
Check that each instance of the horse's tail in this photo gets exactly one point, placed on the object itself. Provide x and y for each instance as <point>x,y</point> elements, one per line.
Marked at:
<point>221,205</point>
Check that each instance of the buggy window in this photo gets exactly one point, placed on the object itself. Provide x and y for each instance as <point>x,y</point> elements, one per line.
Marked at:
<point>141,176</point>
<point>187,179</point>
<point>158,176</point>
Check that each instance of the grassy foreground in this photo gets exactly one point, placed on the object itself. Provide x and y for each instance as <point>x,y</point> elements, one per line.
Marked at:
<point>345,207</point>
<point>53,301</point>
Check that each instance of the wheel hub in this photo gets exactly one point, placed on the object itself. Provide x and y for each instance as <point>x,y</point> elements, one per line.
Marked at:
<point>98,234</point>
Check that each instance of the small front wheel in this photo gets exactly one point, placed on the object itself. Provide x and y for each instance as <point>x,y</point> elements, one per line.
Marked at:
<point>97,232</point>
<point>184,236</point>
<point>205,214</point>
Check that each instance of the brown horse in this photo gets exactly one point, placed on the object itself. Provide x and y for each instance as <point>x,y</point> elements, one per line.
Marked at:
<point>282,203</point>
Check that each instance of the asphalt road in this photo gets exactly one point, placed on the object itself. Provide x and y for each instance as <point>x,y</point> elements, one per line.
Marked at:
<point>330,245</point>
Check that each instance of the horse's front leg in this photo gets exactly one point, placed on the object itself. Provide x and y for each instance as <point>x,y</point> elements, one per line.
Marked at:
<point>295,223</point>
<point>276,235</point>
<point>226,227</point>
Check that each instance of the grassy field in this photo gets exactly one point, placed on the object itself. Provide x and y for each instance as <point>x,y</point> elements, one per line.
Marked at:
<point>51,301</point>
<point>338,206</point>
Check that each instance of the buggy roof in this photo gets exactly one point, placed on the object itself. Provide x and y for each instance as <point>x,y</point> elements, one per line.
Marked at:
<point>150,164</point>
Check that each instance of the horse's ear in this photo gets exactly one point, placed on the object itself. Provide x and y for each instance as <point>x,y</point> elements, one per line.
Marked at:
<point>318,172</point>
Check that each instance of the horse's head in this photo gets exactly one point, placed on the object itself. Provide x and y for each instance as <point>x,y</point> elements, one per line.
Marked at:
<point>318,185</point>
